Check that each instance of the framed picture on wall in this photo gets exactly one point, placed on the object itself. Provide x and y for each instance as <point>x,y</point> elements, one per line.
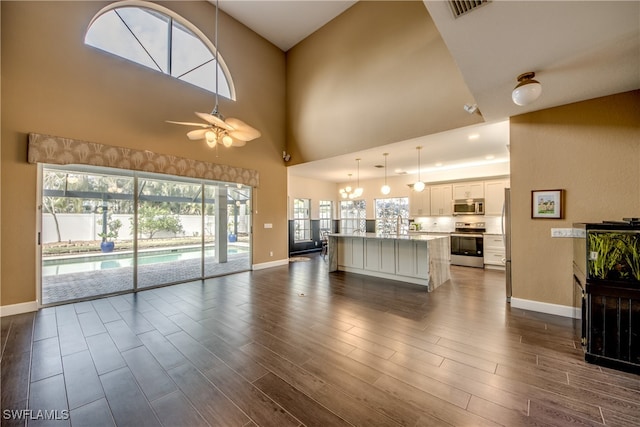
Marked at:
<point>547,204</point>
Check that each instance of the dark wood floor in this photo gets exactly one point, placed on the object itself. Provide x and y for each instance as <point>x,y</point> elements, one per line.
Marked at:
<point>298,346</point>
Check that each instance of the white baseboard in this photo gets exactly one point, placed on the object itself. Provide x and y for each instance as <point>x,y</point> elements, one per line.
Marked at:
<point>25,307</point>
<point>270,264</point>
<point>543,307</point>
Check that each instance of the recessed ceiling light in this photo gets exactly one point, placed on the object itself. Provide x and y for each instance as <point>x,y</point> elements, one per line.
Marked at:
<point>473,136</point>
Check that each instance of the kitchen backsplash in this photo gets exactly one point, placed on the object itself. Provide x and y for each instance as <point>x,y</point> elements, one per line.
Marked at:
<point>447,224</point>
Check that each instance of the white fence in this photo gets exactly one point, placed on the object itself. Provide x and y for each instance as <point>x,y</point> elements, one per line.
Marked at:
<point>86,226</point>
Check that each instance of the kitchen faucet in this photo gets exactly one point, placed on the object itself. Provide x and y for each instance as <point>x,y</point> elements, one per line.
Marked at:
<point>398,224</point>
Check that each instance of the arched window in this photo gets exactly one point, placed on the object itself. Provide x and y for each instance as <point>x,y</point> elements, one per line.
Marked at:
<point>160,39</point>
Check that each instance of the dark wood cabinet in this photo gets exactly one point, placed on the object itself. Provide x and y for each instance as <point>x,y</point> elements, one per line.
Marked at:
<point>612,303</point>
<point>613,326</point>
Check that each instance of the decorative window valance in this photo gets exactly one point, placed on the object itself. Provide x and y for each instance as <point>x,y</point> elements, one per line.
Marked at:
<point>64,151</point>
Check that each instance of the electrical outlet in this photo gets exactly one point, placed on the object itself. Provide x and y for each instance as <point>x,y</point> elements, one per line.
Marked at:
<point>270,253</point>
<point>562,232</point>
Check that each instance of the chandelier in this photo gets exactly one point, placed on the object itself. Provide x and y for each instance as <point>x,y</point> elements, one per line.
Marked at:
<point>349,192</point>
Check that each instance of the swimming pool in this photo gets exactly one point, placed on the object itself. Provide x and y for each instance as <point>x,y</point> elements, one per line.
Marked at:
<point>58,266</point>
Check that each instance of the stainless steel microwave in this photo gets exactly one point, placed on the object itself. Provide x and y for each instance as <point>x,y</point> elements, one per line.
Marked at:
<point>468,207</point>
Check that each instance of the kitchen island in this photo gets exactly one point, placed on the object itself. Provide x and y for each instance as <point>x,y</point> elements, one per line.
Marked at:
<point>419,259</point>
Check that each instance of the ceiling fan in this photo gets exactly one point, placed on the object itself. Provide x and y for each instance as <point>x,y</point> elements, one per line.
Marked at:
<point>228,132</point>
<point>218,130</point>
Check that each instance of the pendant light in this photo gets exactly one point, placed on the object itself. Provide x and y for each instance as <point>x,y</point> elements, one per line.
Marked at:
<point>358,191</point>
<point>385,188</point>
<point>418,186</point>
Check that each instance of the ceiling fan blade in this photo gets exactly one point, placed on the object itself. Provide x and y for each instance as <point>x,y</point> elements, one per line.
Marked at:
<point>238,143</point>
<point>241,136</point>
<point>202,125</point>
<point>214,120</point>
<point>196,134</point>
<point>241,130</point>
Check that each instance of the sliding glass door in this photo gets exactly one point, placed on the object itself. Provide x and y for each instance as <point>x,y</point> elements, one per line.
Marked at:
<point>85,243</point>
<point>169,231</point>
<point>107,231</point>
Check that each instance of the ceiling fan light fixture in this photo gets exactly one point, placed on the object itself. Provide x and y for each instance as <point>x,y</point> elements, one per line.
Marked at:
<point>228,132</point>
<point>527,90</point>
<point>211,137</point>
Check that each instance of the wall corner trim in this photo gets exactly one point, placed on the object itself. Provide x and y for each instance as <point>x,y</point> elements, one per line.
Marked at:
<point>25,307</point>
<point>270,264</point>
<point>543,307</point>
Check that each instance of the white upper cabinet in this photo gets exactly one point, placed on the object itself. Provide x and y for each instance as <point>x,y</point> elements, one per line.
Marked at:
<point>494,196</point>
<point>419,203</point>
<point>468,190</point>
<point>441,198</point>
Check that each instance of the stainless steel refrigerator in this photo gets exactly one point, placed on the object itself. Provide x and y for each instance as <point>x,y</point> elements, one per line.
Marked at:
<point>506,238</point>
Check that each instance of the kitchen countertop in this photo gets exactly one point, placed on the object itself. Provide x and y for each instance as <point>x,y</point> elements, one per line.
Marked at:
<point>411,236</point>
<point>488,233</point>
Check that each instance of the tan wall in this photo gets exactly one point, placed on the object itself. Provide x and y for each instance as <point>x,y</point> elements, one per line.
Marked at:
<point>53,84</point>
<point>592,151</point>
<point>379,73</point>
<point>316,190</point>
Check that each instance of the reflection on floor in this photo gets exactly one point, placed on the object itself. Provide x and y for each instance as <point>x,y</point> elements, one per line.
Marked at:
<point>74,286</point>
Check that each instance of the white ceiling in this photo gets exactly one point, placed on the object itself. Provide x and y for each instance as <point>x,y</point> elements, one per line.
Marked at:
<point>578,49</point>
<point>284,22</point>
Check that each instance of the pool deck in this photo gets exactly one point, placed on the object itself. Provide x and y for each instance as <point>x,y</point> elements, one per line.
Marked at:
<point>76,286</point>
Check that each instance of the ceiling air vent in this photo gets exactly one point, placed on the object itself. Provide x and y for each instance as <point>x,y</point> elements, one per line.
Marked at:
<point>461,7</point>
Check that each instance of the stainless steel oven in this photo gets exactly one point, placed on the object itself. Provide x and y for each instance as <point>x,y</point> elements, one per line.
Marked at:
<point>467,244</point>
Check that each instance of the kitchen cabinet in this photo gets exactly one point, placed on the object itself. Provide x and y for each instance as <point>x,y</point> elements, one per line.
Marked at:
<point>418,258</point>
<point>419,203</point>
<point>441,199</point>
<point>351,252</point>
<point>406,258</point>
<point>494,253</point>
<point>494,196</point>
<point>380,255</point>
<point>468,190</point>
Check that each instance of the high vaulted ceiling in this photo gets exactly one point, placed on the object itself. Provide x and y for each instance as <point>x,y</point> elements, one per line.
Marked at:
<point>578,49</point>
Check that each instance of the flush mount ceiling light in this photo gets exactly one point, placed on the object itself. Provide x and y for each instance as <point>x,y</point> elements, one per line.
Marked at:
<point>218,130</point>
<point>527,90</point>
<point>418,186</point>
<point>385,188</point>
